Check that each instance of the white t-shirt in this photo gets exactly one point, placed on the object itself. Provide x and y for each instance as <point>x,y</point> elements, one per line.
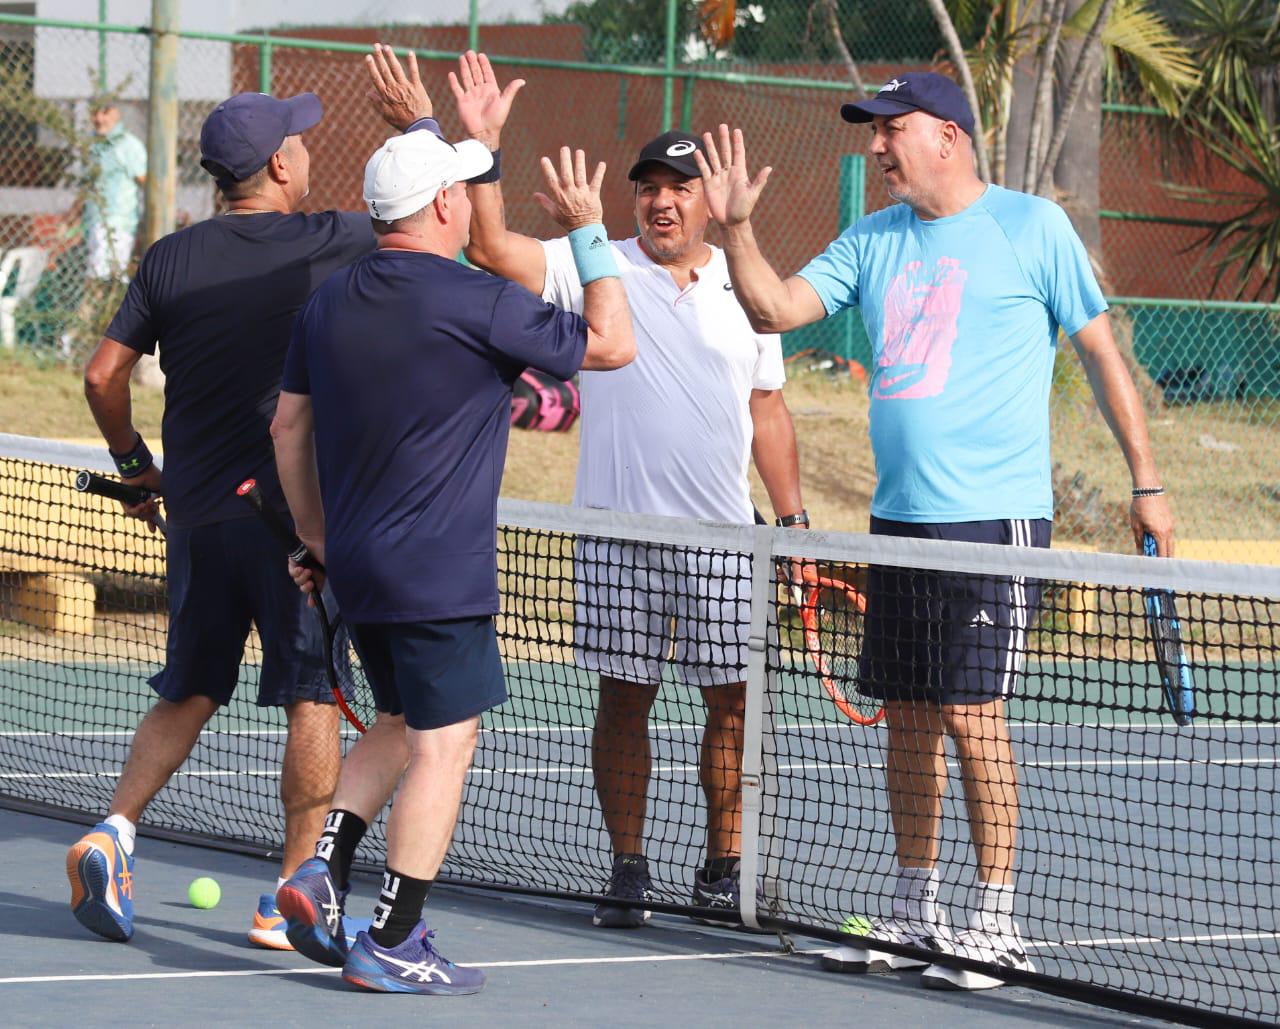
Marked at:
<point>670,433</point>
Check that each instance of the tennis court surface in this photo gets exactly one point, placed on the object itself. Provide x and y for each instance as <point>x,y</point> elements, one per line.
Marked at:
<point>1146,864</point>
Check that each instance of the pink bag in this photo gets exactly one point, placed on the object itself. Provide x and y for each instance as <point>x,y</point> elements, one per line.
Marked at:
<point>541,402</point>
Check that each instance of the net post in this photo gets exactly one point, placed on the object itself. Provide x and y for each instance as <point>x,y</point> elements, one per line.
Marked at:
<point>757,720</point>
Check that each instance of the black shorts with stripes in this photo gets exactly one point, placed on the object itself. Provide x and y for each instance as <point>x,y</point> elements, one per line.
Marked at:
<point>944,637</point>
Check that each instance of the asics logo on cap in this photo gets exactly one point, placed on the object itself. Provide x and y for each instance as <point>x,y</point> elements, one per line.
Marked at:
<point>681,148</point>
<point>892,86</point>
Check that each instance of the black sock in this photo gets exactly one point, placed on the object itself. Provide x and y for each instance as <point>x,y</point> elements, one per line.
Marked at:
<point>399,908</point>
<point>336,847</point>
<point>719,868</point>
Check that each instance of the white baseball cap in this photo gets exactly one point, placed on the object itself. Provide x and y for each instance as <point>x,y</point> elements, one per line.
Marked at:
<point>407,171</point>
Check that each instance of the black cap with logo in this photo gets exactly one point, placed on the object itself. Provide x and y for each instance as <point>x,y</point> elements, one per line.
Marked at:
<point>915,91</point>
<point>674,149</point>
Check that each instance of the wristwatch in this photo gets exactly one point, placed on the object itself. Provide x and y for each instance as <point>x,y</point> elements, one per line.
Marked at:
<point>800,518</point>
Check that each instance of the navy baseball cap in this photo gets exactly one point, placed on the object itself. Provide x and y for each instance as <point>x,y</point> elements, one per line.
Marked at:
<point>241,133</point>
<point>915,91</point>
<point>673,149</point>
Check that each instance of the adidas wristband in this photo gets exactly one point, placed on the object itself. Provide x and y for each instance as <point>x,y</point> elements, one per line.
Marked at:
<point>592,253</point>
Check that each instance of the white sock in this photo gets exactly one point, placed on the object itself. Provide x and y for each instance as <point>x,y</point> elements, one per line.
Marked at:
<point>993,906</point>
<point>280,881</point>
<point>916,895</point>
<point>125,829</point>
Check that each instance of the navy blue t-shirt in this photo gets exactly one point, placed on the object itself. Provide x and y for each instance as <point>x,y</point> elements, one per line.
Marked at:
<point>220,297</point>
<point>409,360</point>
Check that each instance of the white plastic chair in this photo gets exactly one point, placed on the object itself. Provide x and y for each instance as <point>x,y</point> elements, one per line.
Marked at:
<point>29,263</point>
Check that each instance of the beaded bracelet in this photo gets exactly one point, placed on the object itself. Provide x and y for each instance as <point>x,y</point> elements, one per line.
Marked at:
<point>1148,491</point>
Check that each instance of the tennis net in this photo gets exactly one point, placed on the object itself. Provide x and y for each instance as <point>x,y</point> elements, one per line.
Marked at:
<point>1145,864</point>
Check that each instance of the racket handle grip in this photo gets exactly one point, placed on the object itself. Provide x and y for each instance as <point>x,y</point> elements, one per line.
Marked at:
<point>100,485</point>
<point>296,549</point>
<point>1149,545</point>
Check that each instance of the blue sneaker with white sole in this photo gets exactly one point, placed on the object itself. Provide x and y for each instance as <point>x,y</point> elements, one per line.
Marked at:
<point>312,906</point>
<point>415,966</point>
<point>101,877</point>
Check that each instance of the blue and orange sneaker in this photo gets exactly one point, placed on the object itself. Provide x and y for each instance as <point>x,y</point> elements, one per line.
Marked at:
<point>101,876</point>
<point>269,925</point>
<point>312,906</point>
<point>415,966</point>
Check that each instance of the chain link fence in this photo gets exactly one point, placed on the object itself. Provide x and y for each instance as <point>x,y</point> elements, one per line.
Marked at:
<point>607,76</point>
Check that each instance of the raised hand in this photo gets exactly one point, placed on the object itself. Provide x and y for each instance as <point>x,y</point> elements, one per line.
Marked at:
<point>572,199</point>
<point>399,98</point>
<point>731,193</point>
<point>482,107</point>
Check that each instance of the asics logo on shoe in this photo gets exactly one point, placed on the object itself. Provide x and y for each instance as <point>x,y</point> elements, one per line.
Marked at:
<point>717,899</point>
<point>126,882</point>
<point>419,971</point>
<point>331,909</point>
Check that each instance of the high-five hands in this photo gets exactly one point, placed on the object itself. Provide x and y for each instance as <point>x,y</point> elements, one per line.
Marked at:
<point>731,193</point>
<point>399,98</point>
<point>482,107</point>
<point>571,198</point>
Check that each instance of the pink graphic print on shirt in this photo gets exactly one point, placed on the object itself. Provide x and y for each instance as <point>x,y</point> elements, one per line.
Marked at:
<point>919,330</point>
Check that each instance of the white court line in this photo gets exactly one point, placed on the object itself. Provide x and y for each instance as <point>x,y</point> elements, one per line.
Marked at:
<point>1144,941</point>
<point>791,766</point>
<point>542,963</point>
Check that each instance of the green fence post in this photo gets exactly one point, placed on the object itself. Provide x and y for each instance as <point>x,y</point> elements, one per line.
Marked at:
<point>622,107</point>
<point>102,47</point>
<point>853,192</point>
<point>264,67</point>
<point>669,64</point>
<point>686,105</point>
<point>473,25</point>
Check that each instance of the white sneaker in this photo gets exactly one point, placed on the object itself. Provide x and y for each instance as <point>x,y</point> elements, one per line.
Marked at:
<point>862,957</point>
<point>989,946</point>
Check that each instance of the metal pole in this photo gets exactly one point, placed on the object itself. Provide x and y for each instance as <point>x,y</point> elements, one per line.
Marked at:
<point>162,122</point>
<point>102,47</point>
<point>473,25</point>
<point>264,67</point>
<point>669,64</point>
<point>686,105</point>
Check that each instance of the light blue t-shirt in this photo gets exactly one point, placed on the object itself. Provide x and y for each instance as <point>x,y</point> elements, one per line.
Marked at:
<point>116,162</point>
<point>963,315</point>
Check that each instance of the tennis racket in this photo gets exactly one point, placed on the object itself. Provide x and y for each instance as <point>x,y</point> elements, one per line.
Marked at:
<point>832,612</point>
<point>112,489</point>
<point>1176,681</point>
<point>347,679</point>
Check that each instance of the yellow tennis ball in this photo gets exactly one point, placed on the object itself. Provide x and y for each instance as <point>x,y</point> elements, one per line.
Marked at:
<point>856,925</point>
<point>204,893</point>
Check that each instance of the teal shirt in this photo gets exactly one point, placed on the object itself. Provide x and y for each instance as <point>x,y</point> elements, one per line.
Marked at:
<point>116,162</point>
<point>963,315</point>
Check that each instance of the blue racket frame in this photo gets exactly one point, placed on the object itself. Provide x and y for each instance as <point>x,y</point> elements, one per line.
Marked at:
<point>1176,680</point>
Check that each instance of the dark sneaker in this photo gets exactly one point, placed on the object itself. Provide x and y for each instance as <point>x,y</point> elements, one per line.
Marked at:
<point>629,880</point>
<point>312,906</point>
<point>101,877</point>
<point>724,895</point>
<point>415,966</point>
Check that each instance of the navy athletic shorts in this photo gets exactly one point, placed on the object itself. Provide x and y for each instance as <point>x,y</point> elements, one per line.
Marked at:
<point>944,637</point>
<point>434,673</point>
<point>222,578</point>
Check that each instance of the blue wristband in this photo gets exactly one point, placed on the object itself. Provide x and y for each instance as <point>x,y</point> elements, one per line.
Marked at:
<point>592,253</point>
<point>135,462</point>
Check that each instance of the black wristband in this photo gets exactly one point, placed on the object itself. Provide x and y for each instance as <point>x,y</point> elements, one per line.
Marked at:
<point>493,174</point>
<point>135,462</point>
<point>800,518</point>
<point>1148,491</point>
